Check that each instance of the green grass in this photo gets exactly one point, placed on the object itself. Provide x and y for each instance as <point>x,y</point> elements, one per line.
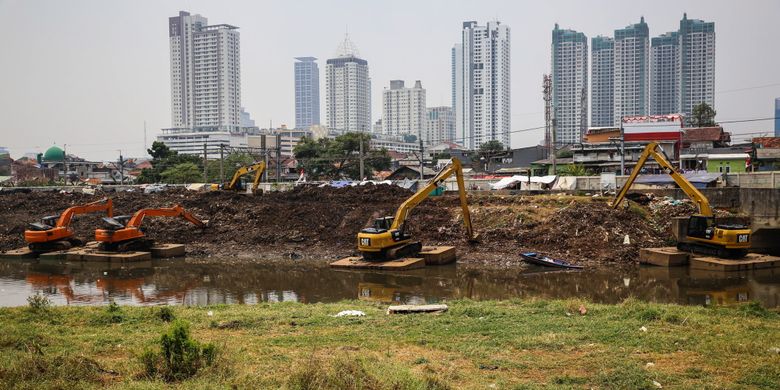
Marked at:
<point>516,344</point>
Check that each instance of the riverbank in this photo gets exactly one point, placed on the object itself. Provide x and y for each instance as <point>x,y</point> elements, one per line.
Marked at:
<point>321,223</point>
<point>496,344</point>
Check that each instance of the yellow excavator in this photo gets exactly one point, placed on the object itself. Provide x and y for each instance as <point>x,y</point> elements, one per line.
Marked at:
<point>388,238</point>
<point>704,234</point>
<point>235,183</point>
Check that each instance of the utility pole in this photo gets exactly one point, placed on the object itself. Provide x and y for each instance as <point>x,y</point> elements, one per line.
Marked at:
<point>552,144</point>
<point>422,160</point>
<point>205,164</point>
<point>121,169</point>
<point>278,157</point>
<point>65,161</point>
<point>221,163</point>
<point>622,149</point>
<point>361,155</point>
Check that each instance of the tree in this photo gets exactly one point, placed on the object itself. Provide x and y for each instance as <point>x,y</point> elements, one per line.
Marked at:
<point>410,138</point>
<point>703,115</point>
<point>160,151</point>
<point>182,173</point>
<point>340,157</point>
<point>491,149</point>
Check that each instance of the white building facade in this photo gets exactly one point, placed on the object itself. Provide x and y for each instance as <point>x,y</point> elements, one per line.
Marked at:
<point>205,73</point>
<point>569,85</point>
<point>403,109</point>
<point>348,91</point>
<point>632,71</point>
<point>481,67</point>
<point>440,126</point>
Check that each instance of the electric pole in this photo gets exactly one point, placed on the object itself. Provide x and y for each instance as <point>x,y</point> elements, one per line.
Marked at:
<point>622,149</point>
<point>361,154</point>
<point>221,163</point>
<point>205,164</point>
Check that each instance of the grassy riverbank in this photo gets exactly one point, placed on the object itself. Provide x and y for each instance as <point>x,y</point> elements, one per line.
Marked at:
<point>507,344</point>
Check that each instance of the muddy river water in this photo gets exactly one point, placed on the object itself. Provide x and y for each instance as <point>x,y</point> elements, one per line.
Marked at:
<point>211,281</point>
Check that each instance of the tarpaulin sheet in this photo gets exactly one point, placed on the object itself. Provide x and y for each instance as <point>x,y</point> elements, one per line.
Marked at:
<point>698,179</point>
<point>510,181</point>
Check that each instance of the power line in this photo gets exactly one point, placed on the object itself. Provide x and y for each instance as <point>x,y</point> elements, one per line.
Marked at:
<point>748,88</point>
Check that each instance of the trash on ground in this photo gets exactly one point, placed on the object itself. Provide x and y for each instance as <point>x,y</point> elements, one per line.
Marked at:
<point>350,313</point>
<point>409,309</point>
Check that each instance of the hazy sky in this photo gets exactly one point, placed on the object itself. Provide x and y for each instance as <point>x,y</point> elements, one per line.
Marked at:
<point>88,73</point>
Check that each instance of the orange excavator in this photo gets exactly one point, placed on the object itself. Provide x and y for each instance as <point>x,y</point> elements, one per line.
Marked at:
<point>54,232</point>
<point>124,233</point>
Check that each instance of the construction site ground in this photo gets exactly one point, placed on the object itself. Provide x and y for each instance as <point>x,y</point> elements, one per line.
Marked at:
<point>313,223</point>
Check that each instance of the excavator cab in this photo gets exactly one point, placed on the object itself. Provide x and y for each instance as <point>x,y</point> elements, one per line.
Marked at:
<point>701,227</point>
<point>47,223</point>
<point>381,225</point>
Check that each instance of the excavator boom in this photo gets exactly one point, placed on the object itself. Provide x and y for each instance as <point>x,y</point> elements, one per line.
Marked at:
<point>119,232</point>
<point>258,168</point>
<point>703,234</point>
<point>43,233</point>
<point>652,150</point>
<point>388,238</point>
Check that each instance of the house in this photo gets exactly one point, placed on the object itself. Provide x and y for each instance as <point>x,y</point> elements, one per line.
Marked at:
<point>719,160</point>
<point>698,139</point>
<point>411,173</point>
<point>601,134</point>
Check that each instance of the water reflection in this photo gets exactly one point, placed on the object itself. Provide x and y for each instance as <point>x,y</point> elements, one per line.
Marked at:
<point>189,282</point>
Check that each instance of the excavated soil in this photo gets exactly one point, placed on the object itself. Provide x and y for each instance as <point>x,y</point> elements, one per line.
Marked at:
<point>321,223</point>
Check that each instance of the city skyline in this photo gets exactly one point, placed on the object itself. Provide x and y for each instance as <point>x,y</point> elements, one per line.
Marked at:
<point>112,110</point>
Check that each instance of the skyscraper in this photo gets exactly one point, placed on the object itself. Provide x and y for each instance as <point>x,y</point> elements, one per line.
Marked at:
<point>602,92</point>
<point>205,73</point>
<point>481,84</point>
<point>697,64</point>
<point>632,73</point>
<point>348,91</point>
<point>665,74</point>
<point>403,109</point>
<point>307,92</point>
<point>440,126</point>
<point>569,85</point>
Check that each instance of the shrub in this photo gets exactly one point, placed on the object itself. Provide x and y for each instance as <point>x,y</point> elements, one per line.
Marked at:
<point>166,314</point>
<point>38,302</point>
<point>179,357</point>
<point>114,313</point>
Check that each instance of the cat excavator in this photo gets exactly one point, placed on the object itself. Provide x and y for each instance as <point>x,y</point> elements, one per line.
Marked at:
<point>54,232</point>
<point>124,233</point>
<point>704,234</point>
<point>235,183</point>
<point>389,239</point>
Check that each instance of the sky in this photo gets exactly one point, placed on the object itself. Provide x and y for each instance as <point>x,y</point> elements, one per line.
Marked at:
<point>89,73</point>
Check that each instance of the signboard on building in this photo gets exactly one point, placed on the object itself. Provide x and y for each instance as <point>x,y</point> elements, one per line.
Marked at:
<point>653,127</point>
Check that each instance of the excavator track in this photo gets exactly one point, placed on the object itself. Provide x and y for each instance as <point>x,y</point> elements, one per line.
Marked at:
<point>139,244</point>
<point>712,250</point>
<point>50,246</point>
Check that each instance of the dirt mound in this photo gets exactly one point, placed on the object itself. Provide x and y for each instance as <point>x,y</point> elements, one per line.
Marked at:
<point>593,232</point>
<point>322,223</point>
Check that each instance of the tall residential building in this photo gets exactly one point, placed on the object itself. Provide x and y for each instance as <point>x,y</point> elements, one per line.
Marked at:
<point>665,74</point>
<point>632,71</point>
<point>602,78</point>
<point>348,91</point>
<point>440,126</point>
<point>307,92</point>
<point>697,64</point>
<point>481,70</point>
<point>777,117</point>
<point>205,74</point>
<point>456,58</point>
<point>569,85</point>
<point>403,109</point>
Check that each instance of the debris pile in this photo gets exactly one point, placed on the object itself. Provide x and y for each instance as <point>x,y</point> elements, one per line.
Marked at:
<point>321,223</point>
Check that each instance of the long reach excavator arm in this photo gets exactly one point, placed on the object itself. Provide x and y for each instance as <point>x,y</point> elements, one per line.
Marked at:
<point>654,150</point>
<point>388,239</point>
<point>703,234</point>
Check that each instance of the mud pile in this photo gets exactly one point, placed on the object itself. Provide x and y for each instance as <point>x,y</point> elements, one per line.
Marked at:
<point>321,223</point>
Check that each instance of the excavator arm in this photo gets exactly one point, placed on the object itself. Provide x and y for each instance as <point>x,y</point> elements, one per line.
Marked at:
<point>652,150</point>
<point>104,204</point>
<point>176,211</point>
<point>406,207</point>
<point>258,168</point>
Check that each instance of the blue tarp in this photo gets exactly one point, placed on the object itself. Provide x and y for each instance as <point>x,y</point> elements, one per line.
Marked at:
<point>698,179</point>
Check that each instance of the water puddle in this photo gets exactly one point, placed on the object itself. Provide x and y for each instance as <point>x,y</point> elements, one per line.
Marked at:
<point>204,282</point>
